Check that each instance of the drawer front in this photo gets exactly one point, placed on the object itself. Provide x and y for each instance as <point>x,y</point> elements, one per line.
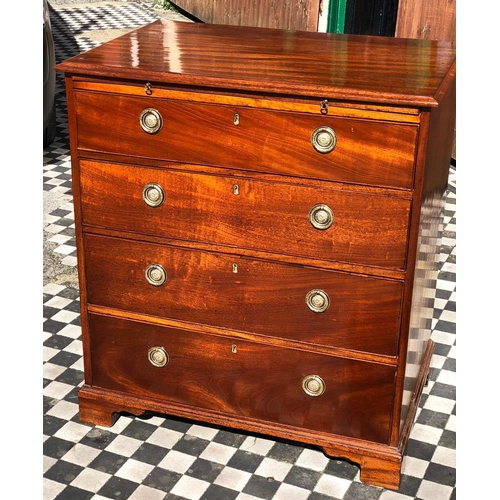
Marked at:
<point>252,380</point>
<point>366,152</point>
<point>366,229</point>
<point>279,300</point>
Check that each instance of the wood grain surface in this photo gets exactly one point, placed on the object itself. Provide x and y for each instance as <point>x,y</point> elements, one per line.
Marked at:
<point>258,380</point>
<point>342,67</point>
<point>261,297</point>
<point>367,229</point>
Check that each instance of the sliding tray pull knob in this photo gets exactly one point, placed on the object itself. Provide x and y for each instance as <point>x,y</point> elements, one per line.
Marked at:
<point>321,216</point>
<point>313,385</point>
<point>324,140</point>
<point>153,194</point>
<point>318,301</point>
<point>151,120</point>
<point>155,274</point>
<point>158,356</point>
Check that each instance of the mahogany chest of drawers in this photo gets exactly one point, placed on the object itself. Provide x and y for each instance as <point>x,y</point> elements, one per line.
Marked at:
<point>258,217</point>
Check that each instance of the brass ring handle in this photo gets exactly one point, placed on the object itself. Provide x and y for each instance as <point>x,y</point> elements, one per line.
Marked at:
<point>318,301</point>
<point>151,120</point>
<point>155,274</point>
<point>153,194</point>
<point>324,139</point>
<point>313,385</point>
<point>321,216</point>
<point>157,356</point>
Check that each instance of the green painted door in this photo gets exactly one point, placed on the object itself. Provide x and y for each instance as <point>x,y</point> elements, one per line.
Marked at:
<point>336,16</point>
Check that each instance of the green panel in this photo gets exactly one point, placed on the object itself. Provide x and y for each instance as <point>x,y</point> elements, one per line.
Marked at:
<point>336,16</point>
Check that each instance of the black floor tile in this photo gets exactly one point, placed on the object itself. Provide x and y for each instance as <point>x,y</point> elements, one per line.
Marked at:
<point>358,490</point>
<point>56,448</point>
<point>150,454</point>
<point>245,461</point>
<point>302,477</point>
<point>216,492</point>
<point>161,479</point>
<point>261,487</point>
<point>118,488</point>
<point>205,470</point>
<point>72,493</point>
<point>441,474</point>
<point>63,472</point>
<point>107,462</point>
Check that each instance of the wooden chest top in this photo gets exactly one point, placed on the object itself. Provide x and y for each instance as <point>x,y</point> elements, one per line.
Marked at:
<point>404,72</point>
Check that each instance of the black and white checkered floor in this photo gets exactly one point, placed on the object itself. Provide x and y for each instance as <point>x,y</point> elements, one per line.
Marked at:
<point>156,457</point>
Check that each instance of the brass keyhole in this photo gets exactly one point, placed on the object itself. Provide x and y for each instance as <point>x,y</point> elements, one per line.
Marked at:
<point>236,189</point>
<point>236,119</point>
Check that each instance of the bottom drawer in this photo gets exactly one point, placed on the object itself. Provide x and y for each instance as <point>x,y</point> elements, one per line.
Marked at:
<point>243,378</point>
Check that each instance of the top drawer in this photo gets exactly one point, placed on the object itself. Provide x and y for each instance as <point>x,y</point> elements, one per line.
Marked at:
<point>280,142</point>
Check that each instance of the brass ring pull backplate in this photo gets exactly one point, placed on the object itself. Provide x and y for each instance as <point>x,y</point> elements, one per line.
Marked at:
<point>155,274</point>
<point>321,216</point>
<point>313,385</point>
<point>324,139</point>
<point>151,120</point>
<point>158,357</point>
<point>318,301</point>
<point>153,194</point>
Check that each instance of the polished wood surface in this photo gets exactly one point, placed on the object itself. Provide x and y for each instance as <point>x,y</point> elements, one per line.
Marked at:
<point>367,152</point>
<point>202,287</point>
<point>337,67</point>
<point>367,229</point>
<point>240,261</point>
<point>258,380</point>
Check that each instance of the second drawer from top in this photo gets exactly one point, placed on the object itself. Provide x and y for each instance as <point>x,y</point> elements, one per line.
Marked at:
<point>328,224</point>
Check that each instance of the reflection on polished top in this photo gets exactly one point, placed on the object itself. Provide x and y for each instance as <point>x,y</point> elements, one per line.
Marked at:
<point>348,67</point>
